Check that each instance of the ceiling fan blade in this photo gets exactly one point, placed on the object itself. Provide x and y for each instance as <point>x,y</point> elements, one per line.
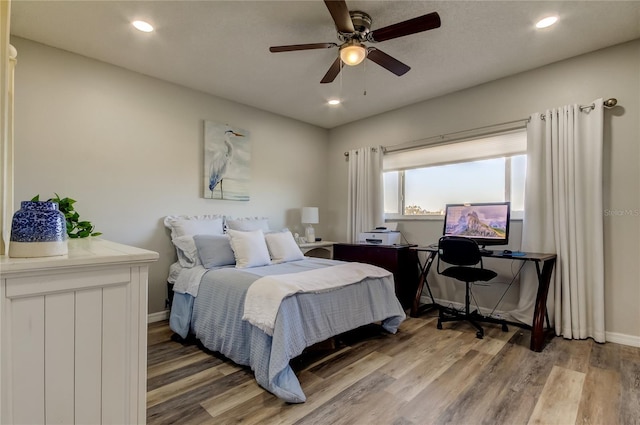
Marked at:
<point>412,26</point>
<point>293,47</point>
<point>333,71</point>
<point>387,62</point>
<point>340,14</point>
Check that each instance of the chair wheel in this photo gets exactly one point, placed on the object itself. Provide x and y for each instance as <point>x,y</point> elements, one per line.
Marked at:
<point>479,334</point>
<point>505,328</point>
<point>439,325</point>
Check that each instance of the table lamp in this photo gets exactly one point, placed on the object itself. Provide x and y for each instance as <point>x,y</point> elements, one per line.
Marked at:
<point>309,217</point>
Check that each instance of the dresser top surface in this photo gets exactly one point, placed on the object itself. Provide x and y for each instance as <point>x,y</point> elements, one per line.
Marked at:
<point>82,252</point>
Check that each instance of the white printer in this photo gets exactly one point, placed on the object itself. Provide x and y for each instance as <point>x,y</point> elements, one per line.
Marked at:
<point>380,237</point>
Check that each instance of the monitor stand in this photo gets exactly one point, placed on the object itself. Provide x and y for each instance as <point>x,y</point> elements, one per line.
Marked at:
<point>485,251</point>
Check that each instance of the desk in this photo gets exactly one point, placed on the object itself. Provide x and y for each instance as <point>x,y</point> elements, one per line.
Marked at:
<point>544,267</point>
<point>398,259</point>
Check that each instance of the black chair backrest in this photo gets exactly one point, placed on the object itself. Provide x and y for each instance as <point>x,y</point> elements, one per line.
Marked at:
<point>459,251</point>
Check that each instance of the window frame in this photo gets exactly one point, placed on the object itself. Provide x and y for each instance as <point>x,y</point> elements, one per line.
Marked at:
<point>515,214</point>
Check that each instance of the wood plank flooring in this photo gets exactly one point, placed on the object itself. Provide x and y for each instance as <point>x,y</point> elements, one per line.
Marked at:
<point>421,375</point>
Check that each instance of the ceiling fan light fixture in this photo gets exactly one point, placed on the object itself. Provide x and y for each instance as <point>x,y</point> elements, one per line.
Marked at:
<point>352,53</point>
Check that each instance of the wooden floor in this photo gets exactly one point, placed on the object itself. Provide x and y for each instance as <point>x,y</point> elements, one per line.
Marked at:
<point>419,376</point>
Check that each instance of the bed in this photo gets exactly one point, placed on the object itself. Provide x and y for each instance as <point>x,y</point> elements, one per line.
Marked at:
<point>263,313</point>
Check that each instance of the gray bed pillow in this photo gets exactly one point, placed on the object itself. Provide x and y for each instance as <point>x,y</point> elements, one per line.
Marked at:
<point>214,250</point>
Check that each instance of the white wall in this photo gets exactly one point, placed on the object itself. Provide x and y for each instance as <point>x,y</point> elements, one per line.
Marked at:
<point>612,72</point>
<point>129,147</point>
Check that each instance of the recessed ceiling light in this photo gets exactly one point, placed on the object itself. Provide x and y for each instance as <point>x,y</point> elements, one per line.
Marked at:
<point>334,102</point>
<point>546,22</point>
<point>143,26</point>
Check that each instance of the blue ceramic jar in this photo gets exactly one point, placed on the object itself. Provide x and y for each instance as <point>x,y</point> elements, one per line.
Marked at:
<point>38,229</point>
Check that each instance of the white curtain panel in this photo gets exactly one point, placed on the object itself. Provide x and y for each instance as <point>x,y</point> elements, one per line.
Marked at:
<point>365,195</point>
<point>564,214</point>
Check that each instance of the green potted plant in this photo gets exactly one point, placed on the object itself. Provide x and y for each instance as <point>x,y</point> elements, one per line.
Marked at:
<point>75,227</point>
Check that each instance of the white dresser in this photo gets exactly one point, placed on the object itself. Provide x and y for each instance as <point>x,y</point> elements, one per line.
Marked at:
<point>73,335</point>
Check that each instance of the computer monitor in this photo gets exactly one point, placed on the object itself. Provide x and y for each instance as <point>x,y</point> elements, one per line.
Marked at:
<point>486,223</point>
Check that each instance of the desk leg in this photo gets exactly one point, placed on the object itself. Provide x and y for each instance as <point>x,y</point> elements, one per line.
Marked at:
<point>415,308</point>
<point>539,313</point>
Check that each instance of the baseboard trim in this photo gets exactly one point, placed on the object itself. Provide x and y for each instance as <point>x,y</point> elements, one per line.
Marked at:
<point>614,337</point>
<point>158,317</point>
<point>624,339</point>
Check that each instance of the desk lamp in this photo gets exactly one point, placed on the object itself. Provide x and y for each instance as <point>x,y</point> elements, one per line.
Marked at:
<point>309,217</point>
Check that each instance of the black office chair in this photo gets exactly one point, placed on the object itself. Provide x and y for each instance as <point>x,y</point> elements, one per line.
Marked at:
<point>463,254</point>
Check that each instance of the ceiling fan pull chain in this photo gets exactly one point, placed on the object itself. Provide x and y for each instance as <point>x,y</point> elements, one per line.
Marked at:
<point>341,73</point>
<point>364,78</point>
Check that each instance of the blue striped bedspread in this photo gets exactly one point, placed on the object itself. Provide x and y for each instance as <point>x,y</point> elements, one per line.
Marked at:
<point>215,318</point>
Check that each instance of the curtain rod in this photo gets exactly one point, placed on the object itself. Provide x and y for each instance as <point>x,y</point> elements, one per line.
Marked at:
<point>372,150</point>
<point>483,131</point>
<point>459,135</point>
<point>487,129</point>
<point>609,103</point>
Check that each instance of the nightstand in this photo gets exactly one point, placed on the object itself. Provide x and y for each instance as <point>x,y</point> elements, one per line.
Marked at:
<point>322,249</point>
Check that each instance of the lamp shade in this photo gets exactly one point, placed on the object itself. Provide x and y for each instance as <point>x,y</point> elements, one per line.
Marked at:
<point>353,53</point>
<point>310,215</point>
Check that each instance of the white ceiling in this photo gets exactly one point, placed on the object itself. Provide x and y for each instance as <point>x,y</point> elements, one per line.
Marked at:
<point>222,47</point>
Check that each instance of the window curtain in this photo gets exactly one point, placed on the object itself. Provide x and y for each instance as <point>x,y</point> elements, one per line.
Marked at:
<point>365,195</point>
<point>564,214</point>
<point>7,64</point>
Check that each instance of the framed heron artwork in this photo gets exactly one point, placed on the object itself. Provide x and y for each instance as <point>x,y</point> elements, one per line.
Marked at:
<point>227,162</point>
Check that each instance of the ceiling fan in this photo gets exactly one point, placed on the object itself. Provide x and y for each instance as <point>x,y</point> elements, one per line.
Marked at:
<point>354,28</point>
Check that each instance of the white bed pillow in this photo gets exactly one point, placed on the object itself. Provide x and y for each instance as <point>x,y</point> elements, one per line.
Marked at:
<point>184,225</point>
<point>248,224</point>
<point>214,250</point>
<point>249,248</point>
<point>282,247</point>
<point>186,251</point>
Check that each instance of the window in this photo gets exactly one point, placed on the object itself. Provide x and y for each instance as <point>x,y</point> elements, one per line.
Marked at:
<point>421,182</point>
